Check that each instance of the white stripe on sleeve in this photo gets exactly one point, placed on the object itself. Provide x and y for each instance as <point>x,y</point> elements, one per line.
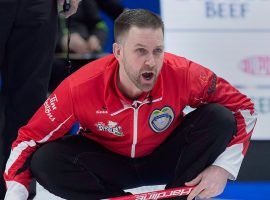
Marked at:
<point>17,151</point>
<point>47,137</point>
<point>16,191</point>
<point>250,119</point>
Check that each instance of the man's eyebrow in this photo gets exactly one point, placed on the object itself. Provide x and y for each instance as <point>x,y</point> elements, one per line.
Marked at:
<point>142,45</point>
<point>160,46</point>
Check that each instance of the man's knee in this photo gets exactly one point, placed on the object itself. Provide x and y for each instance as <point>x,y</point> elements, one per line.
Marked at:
<point>221,117</point>
<point>45,163</point>
<point>221,114</point>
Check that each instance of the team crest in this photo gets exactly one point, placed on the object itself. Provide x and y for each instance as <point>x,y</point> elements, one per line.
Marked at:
<point>160,120</point>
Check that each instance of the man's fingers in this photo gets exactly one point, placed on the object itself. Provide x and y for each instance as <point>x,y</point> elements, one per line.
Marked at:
<point>196,191</point>
<point>205,194</point>
<point>195,181</point>
<point>206,191</point>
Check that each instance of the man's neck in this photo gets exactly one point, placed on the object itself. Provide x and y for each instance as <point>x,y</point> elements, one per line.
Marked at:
<point>127,88</point>
<point>129,91</point>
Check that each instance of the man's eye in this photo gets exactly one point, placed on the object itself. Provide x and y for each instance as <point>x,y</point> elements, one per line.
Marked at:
<point>157,51</point>
<point>142,51</point>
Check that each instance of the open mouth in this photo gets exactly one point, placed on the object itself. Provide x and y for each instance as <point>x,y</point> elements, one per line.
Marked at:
<point>147,75</point>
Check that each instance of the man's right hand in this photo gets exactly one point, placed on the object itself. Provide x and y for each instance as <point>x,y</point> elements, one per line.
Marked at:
<point>209,183</point>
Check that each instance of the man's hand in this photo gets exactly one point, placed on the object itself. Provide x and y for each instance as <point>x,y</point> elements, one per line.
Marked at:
<point>209,183</point>
<point>73,7</point>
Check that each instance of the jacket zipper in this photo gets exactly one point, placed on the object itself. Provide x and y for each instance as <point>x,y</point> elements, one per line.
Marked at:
<point>135,132</point>
<point>135,122</point>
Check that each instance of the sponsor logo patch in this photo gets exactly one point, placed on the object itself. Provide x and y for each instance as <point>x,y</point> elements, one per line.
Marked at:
<point>160,120</point>
<point>112,128</point>
<point>50,105</point>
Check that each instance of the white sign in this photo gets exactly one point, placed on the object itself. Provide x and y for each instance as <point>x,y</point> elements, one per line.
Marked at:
<point>232,38</point>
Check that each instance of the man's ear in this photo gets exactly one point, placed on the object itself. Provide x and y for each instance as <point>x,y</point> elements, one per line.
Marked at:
<point>116,50</point>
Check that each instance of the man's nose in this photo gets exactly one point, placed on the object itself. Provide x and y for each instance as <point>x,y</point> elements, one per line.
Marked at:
<point>150,61</point>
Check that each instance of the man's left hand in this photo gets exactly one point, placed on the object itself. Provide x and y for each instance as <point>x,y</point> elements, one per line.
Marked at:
<point>209,183</point>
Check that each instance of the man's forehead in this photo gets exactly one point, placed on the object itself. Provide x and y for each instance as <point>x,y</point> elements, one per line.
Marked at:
<point>139,36</point>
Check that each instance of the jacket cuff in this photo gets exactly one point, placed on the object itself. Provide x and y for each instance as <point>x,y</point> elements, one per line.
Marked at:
<point>231,160</point>
<point>16,191</point>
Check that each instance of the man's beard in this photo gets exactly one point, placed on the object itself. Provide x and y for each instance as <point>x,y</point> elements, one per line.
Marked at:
<point>136,78</point>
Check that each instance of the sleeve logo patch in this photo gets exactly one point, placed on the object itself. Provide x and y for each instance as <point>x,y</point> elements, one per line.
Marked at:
<point>160,120</point>
<point>50,106</point>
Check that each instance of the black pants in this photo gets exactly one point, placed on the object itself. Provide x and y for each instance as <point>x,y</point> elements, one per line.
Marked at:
<point>27,41</point>
<point>77,168</point>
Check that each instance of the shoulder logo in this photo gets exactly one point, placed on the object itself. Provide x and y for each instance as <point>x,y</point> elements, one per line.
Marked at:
<point>103,110</point>
<point>112,128</point>
<point>160,120</point>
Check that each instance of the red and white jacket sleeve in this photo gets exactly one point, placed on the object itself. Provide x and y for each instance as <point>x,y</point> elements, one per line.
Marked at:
<point>206,87</point>
<point>53,119</point>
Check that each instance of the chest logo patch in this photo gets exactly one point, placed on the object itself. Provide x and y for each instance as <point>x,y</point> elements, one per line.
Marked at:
<point>112,128</point>
<point>160,120</point>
